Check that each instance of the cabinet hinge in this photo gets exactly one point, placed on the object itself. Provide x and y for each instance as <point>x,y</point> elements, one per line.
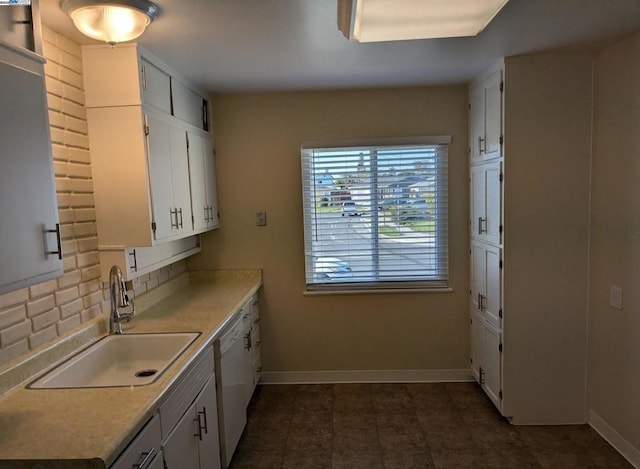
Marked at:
<point>499,313</point>
<point>153,226</point>
<point>500,347</point>
<point>146,130</point>
<point>500,229</point>
<point>501,177</point>
<point>501,139</point>
<point>500,264</point>
<point>500,395</point>
<point>501,86</point>
<point>469,106</point>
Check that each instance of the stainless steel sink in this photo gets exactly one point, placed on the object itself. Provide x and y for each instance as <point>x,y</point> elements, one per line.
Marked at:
<point>118,360</point>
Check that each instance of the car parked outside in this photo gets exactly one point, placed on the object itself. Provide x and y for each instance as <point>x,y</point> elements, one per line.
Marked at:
<point>331,268</point>
<point>350,209</point>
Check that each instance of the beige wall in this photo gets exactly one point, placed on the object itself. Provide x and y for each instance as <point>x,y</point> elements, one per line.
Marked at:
<point>257,139</point>
<point>614,336</point>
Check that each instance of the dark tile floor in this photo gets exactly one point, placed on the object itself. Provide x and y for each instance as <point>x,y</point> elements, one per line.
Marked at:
<point>404,426</point>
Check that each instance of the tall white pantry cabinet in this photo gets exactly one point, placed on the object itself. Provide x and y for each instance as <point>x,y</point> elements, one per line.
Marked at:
<point>529,148</point>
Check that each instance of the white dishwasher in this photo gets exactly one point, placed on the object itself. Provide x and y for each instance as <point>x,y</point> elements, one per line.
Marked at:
<point>232,404</point>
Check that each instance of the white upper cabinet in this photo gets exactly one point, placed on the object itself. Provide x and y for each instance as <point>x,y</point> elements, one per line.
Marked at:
<point>189,106</point>
<point>486,118</point>
<point>30,251</point>
<point>142,119</point>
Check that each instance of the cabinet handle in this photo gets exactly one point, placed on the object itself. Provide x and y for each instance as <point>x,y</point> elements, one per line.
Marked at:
<point>145,459</point>
<point>198,422</point>
<point>134,266</point>
<point>482,221</point>
<point>481,373</point>
<point>180,212</point>
<point>206,214</point>
<point>247,345</point>
<point>56,230</point>
<point>144,79</point>
<point>173,212</point>
<point>481,147</point>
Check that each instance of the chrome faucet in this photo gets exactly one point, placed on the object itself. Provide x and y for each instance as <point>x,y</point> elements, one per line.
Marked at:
<point>119,299</point>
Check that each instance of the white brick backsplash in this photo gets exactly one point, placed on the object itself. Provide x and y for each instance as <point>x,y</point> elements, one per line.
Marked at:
<point>87,245</point>
<point>13,298</point>
<point>64,200</point>
<point>66,232</point>
<point>90,273</point>
<point>45,319</point>
<point>74,139</point>
<point>70,246</point>
<point>43,288</point>
<point>92,299</point>
<point>69,309</point>
<point>75,124</point>
<point>91,313</point>
<point>43,336</point>
<point>78,170</point>
<point>72,93</point>
<point>54,87</point>
<point>71,62</point>
<point>66,215</point>
<point>73,109</point>
<point>56,119</point>
<point>69,46</point>
<point>57,135</point>
<point>85,229</point>
<point>63,184</point>
<point>52,69</point>
<point>13,316</point>
<point>67,295</point>
<point>40,305</point>
<point>85,214</point>
<point>88,259</point>
<point>13,334</point>
<point>69,263</point>
<point>67,280</point>
<point>89,287</point>
<point>59,152</point>
<point>51,52</point>
<point>82,185</point>
<point>66,325</point>
<point>54,103</point>
<point>78,155</point>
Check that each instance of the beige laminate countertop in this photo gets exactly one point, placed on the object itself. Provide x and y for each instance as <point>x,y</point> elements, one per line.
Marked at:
<point>73,428</point>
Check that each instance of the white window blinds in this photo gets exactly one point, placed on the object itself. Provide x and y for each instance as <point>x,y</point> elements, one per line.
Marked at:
<point>375,215</point>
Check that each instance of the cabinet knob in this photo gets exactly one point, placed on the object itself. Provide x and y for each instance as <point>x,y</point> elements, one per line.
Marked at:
<point>145,459</point>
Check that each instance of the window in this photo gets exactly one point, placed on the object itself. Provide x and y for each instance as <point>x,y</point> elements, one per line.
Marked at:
<point>375,214</point>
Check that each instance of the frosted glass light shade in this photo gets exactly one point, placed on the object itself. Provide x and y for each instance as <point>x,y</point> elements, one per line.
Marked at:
<point>111,22</point>
<point>396,20</point>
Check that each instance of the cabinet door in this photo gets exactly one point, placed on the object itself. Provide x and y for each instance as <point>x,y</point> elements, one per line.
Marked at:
<point>486,202</point>
<point>156,86</point>
<point>248,352</point>
<point>181,446</point>
<point>486,281</point>
<point>476,123</point>
<point>27,191</point>
<point>159,158</point>
<point>477,343</point>
<point>204,200</point>
<point>492,364</point>
<point>180,180</point>
<point>207,437</point>
<point>493,116</point>
<point>187,104</point>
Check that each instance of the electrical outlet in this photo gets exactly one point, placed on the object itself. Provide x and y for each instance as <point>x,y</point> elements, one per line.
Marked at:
<point>615,297</point>
<point>261,218</point>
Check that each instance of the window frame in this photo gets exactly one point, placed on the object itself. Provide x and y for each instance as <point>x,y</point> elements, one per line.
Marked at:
<point>382,286</point>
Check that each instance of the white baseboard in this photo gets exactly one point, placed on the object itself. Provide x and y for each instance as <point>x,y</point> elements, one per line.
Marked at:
<point>365,376</point>
<point>626,449</point>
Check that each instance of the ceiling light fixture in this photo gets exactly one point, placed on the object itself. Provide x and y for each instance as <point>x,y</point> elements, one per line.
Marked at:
<point>397,20</point>
<point>111,21</point>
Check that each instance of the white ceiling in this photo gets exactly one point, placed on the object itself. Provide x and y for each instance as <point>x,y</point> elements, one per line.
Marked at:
<point>263,45</point>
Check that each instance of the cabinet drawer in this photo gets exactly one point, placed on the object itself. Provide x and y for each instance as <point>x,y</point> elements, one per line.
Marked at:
<point>182,397</point>
<point>146,445</point>
<point>156,86</point>
<point>189,106</point>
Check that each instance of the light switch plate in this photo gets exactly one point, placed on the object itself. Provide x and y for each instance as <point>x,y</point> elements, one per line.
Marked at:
<point>261,218</point>
<point>615,297</point>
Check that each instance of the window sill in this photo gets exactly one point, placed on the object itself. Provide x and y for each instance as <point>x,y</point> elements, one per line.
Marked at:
<point>365,291</point>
